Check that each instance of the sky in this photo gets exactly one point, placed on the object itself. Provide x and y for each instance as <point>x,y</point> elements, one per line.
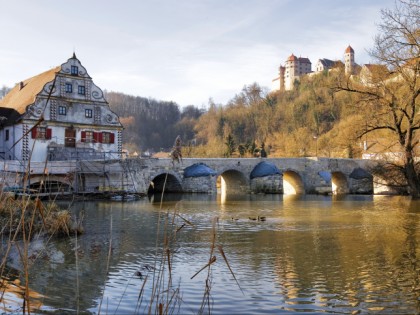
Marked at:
<point>186,51</point>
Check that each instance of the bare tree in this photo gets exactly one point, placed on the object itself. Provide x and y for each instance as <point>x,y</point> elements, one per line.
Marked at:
<point>389,91</point>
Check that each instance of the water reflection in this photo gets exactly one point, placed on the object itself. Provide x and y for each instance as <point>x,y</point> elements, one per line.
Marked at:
<point>157,198</point>
<point>335,254</point>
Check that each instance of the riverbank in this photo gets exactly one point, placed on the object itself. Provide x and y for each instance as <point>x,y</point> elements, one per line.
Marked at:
<point>28,217</point>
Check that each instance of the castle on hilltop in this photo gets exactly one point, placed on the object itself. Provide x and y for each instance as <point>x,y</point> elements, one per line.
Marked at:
<point>296,67</point>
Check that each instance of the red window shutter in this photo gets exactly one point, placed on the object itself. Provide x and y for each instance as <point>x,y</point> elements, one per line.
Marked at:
<point>34,132</point>
<point>83,136</point>
<point>100,137</point>
<point>96,137</point>
<point>111,137</point>
<point>48,134</point>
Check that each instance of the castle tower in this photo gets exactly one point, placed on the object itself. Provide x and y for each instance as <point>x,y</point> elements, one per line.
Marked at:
<point>349,63</point>
<point>282,71</point>
<point>291,72</point>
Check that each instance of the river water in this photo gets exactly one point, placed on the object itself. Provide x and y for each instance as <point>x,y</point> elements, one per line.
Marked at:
<point>312,254</point>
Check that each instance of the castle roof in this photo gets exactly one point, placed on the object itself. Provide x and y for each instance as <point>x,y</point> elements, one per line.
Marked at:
<point>349,50</point>
<point>25,92</point>
<point>293,58</point>
<point>327,62</point>
<point>304,60</point>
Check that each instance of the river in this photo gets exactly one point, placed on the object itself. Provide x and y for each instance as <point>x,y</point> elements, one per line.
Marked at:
<point>312,254</point>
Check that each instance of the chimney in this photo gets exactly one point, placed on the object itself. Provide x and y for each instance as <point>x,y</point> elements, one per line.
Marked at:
<point>21,85</point>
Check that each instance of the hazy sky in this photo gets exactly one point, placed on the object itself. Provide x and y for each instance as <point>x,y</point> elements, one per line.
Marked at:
<point>186,51</point>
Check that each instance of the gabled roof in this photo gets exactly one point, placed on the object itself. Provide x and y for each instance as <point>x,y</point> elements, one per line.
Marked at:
<point>327,62</point>
<point>292,58</point>
<point>25,92</point>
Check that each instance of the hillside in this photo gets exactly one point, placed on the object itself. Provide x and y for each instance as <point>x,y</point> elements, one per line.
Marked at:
<point>152,125</point>
<point>311,120</point>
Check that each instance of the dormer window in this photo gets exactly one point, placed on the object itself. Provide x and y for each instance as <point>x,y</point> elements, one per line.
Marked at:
<point>74,70</point>
<point>69,88</point>
<point>81,90</point>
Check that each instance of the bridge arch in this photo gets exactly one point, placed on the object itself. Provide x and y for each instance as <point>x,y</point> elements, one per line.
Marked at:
<point>233,182</point>
<point>361,181</point>
<point>292,183</point>
<point>165,182</point>
<point>50,184</point>
<point>339,183</point>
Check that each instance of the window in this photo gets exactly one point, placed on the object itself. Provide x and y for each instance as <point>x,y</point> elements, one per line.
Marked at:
<point>107,137</point>
<point>89,136</point>
<point>62,110</point>
<point>42,133</point>
<point>69,88</point>
<point>97,137</point>
<point>81,90</point>
<point>74,70</point>
<point>88,113</point>
<point>6,135</point>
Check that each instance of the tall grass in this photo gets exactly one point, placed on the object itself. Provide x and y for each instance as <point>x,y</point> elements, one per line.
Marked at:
<point>22,221</point>
<point>158,294</point>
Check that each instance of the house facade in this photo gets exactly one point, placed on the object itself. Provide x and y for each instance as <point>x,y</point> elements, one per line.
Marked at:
<point>59,114</point>
<point>324,65</point>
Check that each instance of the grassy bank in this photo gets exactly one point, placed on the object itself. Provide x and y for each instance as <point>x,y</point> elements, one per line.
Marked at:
<point>29,217</point>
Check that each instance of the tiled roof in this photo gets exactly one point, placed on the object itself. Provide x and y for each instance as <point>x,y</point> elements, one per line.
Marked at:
<point>305,60</point>
<point>327,63</point>
<point>24,93</point>
<point>292,58</point>
<point>349,50</point>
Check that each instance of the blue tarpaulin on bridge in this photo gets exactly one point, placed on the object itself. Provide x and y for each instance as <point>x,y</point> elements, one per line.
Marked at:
<point>199,170</point>
<point>325,176</point>
<point>264,169</point>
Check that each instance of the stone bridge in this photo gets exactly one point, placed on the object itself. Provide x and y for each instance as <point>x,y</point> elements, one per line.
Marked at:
<point>253,175</point>
<point>215,175</point>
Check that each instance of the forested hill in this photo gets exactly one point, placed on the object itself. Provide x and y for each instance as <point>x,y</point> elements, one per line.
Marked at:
<point>310,120</point>
<point>151,124</point>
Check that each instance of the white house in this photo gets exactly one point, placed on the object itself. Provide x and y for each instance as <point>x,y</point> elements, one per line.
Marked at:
<point>324,65</point>
<point>59,114</point>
